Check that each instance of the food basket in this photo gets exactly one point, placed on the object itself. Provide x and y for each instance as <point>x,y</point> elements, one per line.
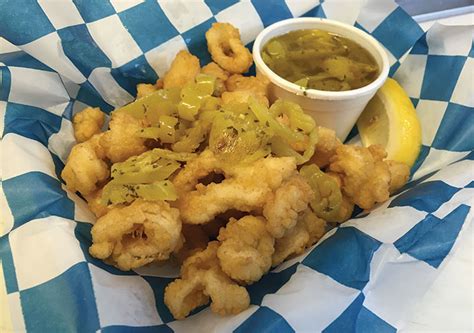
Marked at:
<point>364,276</point>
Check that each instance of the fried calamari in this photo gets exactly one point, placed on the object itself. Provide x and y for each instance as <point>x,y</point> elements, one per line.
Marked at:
<point>307,231</point>
<point>246,249</point>
<point>133,236</point>
<point>87,123</point>
<point>241,88</point>
<point>85,169</point>
<point>226,48</point>
<point>95,204</point>
<point>283,206</point>
<point>145,89</point>
<point>202,279</point>
<point>366,178</point>
<point>325,147</point>
<point>399,172</point>
<point>243,96</point>
<point>202,168</point>
<point>122,140</point>
<point>244,188</point>
<point>184,69</point>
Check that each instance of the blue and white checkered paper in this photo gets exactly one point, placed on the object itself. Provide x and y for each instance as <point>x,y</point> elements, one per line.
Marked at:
<point>364,276</point>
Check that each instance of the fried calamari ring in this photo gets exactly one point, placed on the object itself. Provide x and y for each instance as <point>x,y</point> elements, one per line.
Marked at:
<point>201,279</point>
<point>245,187</point>
<point>133,236</point>
<point>226,48</point>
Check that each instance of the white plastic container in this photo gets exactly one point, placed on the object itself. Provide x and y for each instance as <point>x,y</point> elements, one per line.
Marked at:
<point>338,110</point>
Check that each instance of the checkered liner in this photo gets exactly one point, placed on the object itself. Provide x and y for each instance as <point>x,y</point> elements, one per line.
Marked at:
<point>364,276</point>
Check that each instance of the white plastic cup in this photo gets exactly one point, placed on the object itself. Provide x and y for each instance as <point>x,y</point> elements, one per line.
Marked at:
<point>338,110</point>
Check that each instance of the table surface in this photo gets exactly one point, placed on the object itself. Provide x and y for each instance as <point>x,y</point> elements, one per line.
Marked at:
<point>443,308</point>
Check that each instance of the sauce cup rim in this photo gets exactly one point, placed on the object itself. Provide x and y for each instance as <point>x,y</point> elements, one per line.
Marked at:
<point>314,93</point>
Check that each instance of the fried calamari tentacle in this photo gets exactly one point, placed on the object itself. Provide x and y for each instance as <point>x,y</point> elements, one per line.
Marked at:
<point>133,236</point>
<point>201,279</point>
<point>184,295</point>
<point>87,123</point>
<point>121,141</point>
<point>183,69</point>
<point>307,231</point>
<point>226,48</point>
<point>399,172</point>
<point>365,177</point>
<point>282,208</point>
<point>245,187</point>
<point>325,147</point>
<point>246,249</point>
<point>85,169</point>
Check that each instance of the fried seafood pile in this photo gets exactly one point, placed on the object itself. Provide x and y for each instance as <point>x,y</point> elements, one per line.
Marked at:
<point>202,169</point>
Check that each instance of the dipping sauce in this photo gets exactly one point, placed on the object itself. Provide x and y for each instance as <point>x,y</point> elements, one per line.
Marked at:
<point>317,59</point>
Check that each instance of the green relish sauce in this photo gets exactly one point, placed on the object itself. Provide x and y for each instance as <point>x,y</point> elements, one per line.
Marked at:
<point>316,59</point>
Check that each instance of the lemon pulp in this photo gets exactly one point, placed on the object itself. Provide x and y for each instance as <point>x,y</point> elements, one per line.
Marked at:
<point>391,121</point>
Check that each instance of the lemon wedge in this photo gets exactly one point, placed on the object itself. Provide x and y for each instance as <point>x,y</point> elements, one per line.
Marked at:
<point>391,121</point>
